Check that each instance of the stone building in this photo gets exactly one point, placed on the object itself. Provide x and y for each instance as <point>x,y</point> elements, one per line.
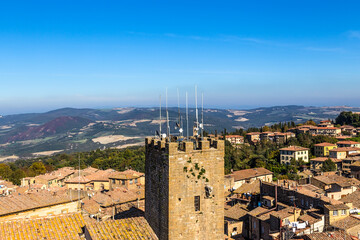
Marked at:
<point>249,175</point>
<point>348,144</point>
<point>235,139</point>
<point>253,137</point>
<point>184,188</point>
<point>129,179</point>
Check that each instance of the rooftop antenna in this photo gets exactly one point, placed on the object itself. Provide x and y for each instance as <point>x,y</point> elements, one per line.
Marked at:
<point>160,120</point>
<point>167,117</point>
<point>179,124</point>
<point>187,116</point>
<point>196,113</point>
<point>202,115</point>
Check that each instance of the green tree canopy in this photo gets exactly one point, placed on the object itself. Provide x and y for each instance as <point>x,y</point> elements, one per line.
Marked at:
<point>37,168</point>
<point>328,166</point>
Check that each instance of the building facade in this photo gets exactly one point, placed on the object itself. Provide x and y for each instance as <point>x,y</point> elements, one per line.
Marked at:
<point>293,152</point>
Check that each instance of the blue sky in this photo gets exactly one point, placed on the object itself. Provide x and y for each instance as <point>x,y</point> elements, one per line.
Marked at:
<point>241,54</point>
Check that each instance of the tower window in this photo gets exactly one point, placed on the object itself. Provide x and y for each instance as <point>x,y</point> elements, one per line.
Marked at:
<point>197,203</point>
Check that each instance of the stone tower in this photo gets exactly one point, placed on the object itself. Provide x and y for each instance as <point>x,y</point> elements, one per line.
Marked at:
<point>184,188</point>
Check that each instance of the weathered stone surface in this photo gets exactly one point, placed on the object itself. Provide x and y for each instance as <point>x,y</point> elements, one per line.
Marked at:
<point>175,173</point>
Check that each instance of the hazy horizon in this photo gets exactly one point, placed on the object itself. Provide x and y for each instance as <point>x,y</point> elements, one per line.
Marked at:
<point>39,110</point>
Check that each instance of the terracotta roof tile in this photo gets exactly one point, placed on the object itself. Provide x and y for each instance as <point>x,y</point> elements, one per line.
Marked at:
<point>236,212</point>
<point>42,198</point>
<point>325,144</point>
<point>249,173</point>
<point>294,148</point>
<point>69,227</point>
<point>323,159</point>
<point>345,149</point>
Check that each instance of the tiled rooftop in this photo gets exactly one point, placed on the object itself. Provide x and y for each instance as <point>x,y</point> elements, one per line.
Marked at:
<point>128,228</point>
<point>16,203</point>
<point>69,227</point>
<point>127,174</point>
<point>344,149</point>
<point>324,144</point>
<point>60,227</point>
<point>294,148</point>
<point>336,179</point>
<point>347,223</point>
<point>353,198</point>
<point>249,173</point>
<point>323,159</point>
<point>338,235</point>
<point>236,212</point>
<point>78,179</point>
<point>101,175</point>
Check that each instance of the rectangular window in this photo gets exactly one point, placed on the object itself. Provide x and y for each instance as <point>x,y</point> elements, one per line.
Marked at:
<point>131,181</point>
<point>136,180</point>
<point>197,203</point>
<point>335,213</point>
<point>343,212</point>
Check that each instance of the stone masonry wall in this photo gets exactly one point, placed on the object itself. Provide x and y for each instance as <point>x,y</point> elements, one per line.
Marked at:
<point>175,173</point>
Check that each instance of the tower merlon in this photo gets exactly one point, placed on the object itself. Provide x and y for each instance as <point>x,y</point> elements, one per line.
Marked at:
<point>187,146</point>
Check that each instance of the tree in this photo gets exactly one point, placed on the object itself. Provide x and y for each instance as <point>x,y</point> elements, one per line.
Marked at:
<point>328,166</point>
<point>310,122</point>
<point>5,171</point>
<point>37,168</point>
<point>16,176</point>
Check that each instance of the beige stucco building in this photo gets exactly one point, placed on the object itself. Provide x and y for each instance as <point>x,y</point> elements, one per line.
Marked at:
<point>293,152</point>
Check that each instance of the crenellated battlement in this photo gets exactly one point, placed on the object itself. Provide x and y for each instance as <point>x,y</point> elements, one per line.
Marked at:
<point>186,146</point>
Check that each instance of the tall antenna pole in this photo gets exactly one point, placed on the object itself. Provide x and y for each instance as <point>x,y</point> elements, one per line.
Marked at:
<point>178,98</point>
<point>167,116</point>
<point>160,120</point>
<point>196,112</point>
<point>202,115</point>
<point>187,116</point>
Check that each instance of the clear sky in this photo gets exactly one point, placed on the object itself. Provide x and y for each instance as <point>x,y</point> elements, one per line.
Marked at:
<point>125,53</point>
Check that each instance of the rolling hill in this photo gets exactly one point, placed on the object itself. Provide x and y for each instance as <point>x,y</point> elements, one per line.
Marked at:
<point>70,129</point>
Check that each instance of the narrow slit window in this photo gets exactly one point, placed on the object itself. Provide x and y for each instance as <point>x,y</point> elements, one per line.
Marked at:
<point>197,203</point>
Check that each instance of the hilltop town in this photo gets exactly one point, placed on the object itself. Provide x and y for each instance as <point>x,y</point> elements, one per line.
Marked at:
<point>184,180</point>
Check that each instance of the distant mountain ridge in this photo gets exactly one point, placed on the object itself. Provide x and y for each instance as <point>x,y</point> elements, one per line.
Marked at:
<point>58,125</point>
<point>71,129</point>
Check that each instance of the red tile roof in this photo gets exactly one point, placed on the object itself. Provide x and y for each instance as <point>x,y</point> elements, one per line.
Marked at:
<point>78,179</point>
<point>253,133</point>
<point>323,159</point>
<point>325,144</point>
<point>249,173</point>
<point>294,148</point>
<point>347,142</point>
<point>234,136</point>
<point>345,149</point>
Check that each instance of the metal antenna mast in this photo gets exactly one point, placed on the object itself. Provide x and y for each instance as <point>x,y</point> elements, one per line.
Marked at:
<point>160,134</point>
<point>196,112</point>
<point>179,124</point>
<point>187,117</point>
<point>202,115</point>
<point>167,116</point>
